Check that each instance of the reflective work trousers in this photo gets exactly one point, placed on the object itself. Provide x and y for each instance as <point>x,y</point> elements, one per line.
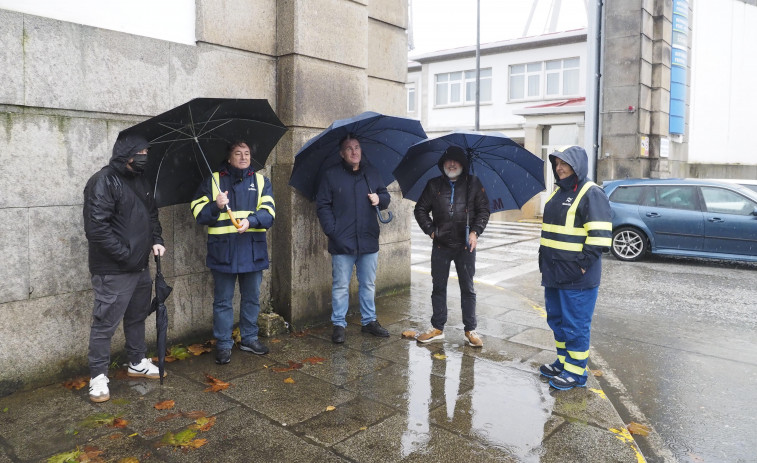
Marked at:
<point>569,313</point>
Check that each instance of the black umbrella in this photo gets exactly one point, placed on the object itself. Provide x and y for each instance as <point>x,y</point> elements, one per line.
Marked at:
<point>162,291</point>
<point>383,141</point>
<point>189,142</point>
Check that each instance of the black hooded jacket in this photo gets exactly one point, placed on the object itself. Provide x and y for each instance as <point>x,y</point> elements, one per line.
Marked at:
<point>432,211</point>
<point>120,217</point>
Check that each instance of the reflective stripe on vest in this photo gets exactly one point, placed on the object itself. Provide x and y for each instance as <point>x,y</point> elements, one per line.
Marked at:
<point>227,227</point>
<point>569,229</point>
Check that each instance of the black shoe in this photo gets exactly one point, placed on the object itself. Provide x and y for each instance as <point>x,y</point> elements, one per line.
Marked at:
<point>223,356</point>
<point>375,329</point>
<point>338,335</point>
<point>256,347</point>
<point>551,370</point>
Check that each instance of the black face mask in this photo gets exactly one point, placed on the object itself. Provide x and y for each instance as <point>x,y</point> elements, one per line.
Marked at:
<point>138,163</point>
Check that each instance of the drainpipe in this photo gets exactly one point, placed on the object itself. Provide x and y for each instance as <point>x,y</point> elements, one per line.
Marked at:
<point>593,132</point>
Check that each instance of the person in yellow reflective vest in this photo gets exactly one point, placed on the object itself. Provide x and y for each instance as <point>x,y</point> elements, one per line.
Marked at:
<point>236,254</point>
<point>576,230</point>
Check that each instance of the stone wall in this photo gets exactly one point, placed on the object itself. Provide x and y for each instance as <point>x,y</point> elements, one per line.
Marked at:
<point>69,89</point>
<point>636,72</point>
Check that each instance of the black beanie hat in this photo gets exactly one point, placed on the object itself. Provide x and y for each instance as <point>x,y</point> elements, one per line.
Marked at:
<point>454,153</point>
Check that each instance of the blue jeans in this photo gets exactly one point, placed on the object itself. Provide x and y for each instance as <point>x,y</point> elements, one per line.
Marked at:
<point>341,273</point>
<point>223,308</point>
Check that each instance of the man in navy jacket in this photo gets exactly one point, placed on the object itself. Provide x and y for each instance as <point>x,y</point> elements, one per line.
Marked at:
<point>236,253</point>
<point>346,201</point>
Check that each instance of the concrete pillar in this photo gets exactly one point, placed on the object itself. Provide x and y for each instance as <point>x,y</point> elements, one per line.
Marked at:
<point>337,58</point>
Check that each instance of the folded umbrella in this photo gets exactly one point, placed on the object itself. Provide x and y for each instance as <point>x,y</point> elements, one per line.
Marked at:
<point>189,142</point>
<point>383,142</point>
<point>510,174</point>
<point>162,291</point>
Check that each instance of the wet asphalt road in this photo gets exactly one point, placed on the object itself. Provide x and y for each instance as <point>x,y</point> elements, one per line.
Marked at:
<point>676,340</point>
<point>679,335</point>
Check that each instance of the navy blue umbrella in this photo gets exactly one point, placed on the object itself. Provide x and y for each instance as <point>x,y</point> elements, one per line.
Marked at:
<point>510,174</point>
<point>383,142</point>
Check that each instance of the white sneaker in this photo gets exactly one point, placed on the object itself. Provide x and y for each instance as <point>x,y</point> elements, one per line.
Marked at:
<point>98,388</point>
<point>144,369</point>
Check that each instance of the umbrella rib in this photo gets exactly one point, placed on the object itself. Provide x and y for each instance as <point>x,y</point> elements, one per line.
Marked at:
<point>210,119</point>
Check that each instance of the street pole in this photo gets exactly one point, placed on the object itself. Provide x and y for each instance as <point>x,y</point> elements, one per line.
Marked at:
<point>478,60</point>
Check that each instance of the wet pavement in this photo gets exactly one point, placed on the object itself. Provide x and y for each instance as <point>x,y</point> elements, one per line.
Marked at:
<point>368,400</point>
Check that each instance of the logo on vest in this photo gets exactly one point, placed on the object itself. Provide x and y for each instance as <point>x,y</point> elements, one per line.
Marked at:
<point>252,187</point>
<point>568,201</point>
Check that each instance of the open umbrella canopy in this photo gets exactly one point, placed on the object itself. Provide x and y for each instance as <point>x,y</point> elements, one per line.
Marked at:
<point>189,142</point>
<point>383,142</point>
<point>162,291</point>
<point>510,174</point>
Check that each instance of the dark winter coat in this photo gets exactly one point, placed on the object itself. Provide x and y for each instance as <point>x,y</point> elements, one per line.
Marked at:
<point>250,197</point>
<point>574,236</point>
<point>432,211</point>
<point>344,210</point>
<point>120,217</point>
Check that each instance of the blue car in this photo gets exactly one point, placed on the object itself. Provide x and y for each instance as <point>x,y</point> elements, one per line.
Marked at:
<point>682,217</point>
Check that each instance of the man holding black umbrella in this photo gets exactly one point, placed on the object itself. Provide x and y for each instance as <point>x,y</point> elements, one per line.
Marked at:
<point>122,227</point>
<point>347,198</point>
<point>237,248</point>
<point>453,210</point>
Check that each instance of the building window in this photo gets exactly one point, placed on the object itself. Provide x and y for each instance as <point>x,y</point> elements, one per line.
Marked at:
<point>544,79</point>
<point>411,99</point>
<point>459,88</point>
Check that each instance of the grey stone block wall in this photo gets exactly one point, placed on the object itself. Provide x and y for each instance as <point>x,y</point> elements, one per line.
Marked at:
<point>637,54</point>
<point>69,89</point>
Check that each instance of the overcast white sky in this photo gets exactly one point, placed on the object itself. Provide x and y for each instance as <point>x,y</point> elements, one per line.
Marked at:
<point>444,24</point>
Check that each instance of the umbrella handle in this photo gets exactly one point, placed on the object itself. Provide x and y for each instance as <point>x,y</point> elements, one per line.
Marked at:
<point>157,263</point>
<point>233,219</point>
<point>381,219</point>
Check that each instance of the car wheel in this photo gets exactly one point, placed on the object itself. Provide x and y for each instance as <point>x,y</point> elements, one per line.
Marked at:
<point>629,244</point>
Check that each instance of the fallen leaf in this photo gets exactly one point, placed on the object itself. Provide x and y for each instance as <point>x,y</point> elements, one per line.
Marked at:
<point>289,380</point>
<point>410,334</point>
<point>363,428</point>
<point>179,352</point>
<point>439,356</point>
<point>215,384</point>
<point>330,408</point>
<point>121,375</point>
<point>119,423</point>
<point>65,457</point>
<point>115,436</point>
<point>314,360</point>
<point>236,335</point>
<point>292,366</point>
<point>128,460</point>
<point>199,349</point>
<point>165,405</point>
<point>197,443</point>
<point>182,439</point>
<point>299,334</point>
<point>203,423</point>
<point>91,455</point>
<point>596,373</point>
<point>637,428</point>
<point>76,383</point>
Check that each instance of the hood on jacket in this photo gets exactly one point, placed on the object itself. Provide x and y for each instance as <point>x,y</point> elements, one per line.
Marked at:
<point>454,153</point>
<point>124,149</point>
<point>575,157</point>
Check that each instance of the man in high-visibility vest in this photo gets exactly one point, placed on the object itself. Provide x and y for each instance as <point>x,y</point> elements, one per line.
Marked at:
<point>576,229</point>
<point>236,253</point>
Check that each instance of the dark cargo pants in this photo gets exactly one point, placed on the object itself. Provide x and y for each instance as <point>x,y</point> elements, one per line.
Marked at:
<point>465,264</point>
<point>125,296</point>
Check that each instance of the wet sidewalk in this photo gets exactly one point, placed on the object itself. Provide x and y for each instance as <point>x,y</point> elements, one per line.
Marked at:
<point>368,400</point>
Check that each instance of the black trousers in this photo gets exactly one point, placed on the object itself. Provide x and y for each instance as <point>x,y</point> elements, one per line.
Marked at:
<point>465,265</point>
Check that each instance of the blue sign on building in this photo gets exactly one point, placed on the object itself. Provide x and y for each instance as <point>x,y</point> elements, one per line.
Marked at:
<point>679,66</point>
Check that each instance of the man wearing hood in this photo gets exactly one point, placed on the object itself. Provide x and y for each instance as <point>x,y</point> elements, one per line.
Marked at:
<point>576,230</point>
<point>449,206</point>
<point>236,253</point>
<point>122,227</point>
<point>346,205</point>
